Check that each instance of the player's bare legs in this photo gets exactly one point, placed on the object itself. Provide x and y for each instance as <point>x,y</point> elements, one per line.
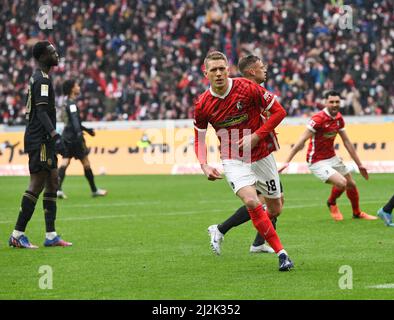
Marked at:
<point>274,208</point>
<point>263,224</point>
<point>353,195</point>
<point>259,216</point>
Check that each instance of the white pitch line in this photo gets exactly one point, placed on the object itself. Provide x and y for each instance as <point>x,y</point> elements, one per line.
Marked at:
<point>132,215</point>
<point>136,203</point>
<point>170,213</point>
<point>382,286</point>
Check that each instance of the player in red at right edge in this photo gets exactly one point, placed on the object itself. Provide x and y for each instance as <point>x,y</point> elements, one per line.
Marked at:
<point>322,160</point>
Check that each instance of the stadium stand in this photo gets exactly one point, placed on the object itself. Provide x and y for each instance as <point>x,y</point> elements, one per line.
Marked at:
<point>141,60</point>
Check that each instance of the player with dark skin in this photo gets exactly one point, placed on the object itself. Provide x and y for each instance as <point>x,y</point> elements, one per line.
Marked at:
<point>41,142</point>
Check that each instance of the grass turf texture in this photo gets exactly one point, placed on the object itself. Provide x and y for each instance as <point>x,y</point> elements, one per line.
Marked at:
<point>148,240</point>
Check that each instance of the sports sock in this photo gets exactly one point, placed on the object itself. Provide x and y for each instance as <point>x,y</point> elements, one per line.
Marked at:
<point>49,204</point>
<point>352,194</point>
<point>259,240</point>
<point>17,234</point>
<point>51,235</point>
<point>264,226</point>
<point>90,177</point>
<point>240,216</point>
<point>389,206</point>
<point>335,194</point>
<point>28,205</point>
<point>62,175</point>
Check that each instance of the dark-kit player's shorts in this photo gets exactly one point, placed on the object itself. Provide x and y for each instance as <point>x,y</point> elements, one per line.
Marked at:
<point>42,159</point>
<point>77,150</point>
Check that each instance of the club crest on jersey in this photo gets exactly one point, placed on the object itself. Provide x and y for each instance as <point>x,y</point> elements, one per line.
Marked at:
<point>239,105</point>
<point>338,123</point>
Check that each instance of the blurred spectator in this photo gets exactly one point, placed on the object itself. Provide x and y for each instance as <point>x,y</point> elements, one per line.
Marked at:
<point>141,60</point>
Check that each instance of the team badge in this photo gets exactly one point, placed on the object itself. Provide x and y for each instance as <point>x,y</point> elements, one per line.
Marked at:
<point>239,105</point>
<point>44,90</point>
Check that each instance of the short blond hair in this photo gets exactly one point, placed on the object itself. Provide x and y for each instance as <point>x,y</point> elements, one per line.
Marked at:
<point>215,55</point>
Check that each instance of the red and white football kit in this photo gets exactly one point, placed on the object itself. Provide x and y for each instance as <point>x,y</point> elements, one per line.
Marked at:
<point>321,157</point>
<point>234,114</point>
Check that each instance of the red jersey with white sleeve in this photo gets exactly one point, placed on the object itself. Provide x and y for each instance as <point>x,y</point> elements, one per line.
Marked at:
<point>325,129</point>
<point>237,113</point>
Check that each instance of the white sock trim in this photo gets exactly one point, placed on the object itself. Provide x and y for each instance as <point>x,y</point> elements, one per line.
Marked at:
<point>51,235</point>
<point>17,234</point>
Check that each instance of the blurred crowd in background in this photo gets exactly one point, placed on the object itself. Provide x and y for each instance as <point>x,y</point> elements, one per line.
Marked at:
<point>142,60</point>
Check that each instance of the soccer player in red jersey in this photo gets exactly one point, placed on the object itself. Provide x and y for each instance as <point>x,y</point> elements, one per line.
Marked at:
<point>322,160</point>
<point>251,67</point>
<point>233,107</point>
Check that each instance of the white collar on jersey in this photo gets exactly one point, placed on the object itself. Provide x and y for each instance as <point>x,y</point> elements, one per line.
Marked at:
<point>327,113</point>
<point>230,85</point>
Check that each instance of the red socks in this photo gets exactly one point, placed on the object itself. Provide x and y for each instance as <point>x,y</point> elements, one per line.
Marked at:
<point>264,226</point>
<point>335,194</point>
<point>352,194</point>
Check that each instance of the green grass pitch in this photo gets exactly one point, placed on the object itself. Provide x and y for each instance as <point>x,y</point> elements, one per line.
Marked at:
<point>148,240</point>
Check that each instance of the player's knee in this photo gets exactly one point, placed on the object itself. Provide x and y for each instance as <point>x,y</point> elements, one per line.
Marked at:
<point>251,203</point>
<point>341,184</point>
<point>274,214</point>
<point>275,211</point>
<point>350,184</point>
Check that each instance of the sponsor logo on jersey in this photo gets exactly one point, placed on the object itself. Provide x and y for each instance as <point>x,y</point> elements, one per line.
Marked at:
<point>330,134</point>
<point>44,90</point>
<point>232,121</point>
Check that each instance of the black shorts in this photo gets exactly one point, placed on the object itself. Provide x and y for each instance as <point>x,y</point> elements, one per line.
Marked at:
<point>42,159</point>
<point>77,150</point>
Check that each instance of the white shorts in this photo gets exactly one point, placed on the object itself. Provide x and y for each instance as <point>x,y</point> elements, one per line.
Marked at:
<point>324,169</point>
<point>263,174</point>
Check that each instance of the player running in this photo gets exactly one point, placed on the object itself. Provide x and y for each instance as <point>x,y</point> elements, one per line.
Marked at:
<point>251,67</point>
<point>322,160</point>
<point>233,107</point>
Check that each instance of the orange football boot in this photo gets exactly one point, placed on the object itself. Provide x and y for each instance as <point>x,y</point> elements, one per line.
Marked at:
<point>365,216</point>
<point>335,213</point>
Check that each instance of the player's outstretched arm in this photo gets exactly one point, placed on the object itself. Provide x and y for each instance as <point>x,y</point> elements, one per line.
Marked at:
<point>278,113</point>
<point>211,172</point>
<point>200,149</point>
<point>297,147</point>
<point>353,154</point>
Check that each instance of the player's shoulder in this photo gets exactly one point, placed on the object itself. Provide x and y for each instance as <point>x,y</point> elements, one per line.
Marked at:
<point>243,82</point>
<point>316,121</point>
<point>40,76</point>
<point>320,116</point>
<point>202,98</point>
